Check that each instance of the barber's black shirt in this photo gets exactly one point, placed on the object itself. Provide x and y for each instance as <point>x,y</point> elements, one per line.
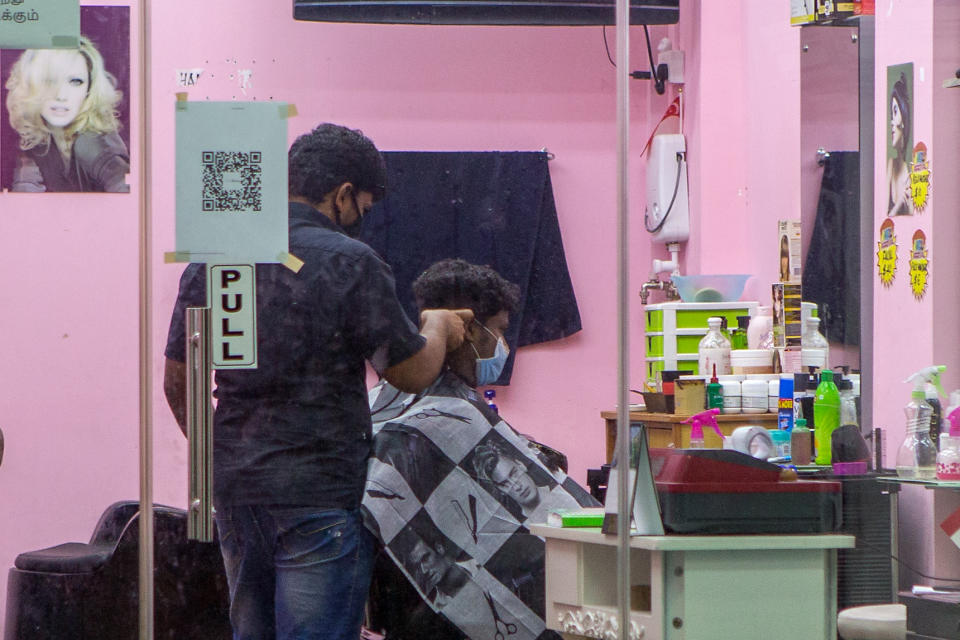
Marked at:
<point>296,430</point>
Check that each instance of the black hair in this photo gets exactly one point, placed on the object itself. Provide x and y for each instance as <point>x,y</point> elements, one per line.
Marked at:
<point>330,155</point>
<point>457,284</point>
<point>899,94</point>
<point>485,458</point>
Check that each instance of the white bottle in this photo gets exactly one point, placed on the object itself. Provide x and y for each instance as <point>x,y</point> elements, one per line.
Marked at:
<point>714,349</point>
<point>760,329</point>
<point>813,339</point>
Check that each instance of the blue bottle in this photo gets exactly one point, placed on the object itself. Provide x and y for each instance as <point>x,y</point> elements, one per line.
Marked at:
<point>489,395</point>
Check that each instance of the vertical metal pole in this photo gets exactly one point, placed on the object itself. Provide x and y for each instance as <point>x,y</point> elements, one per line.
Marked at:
<point>624,508</point>
<point>146,338</point>
<point>199,426</point>
<point>866,41</point>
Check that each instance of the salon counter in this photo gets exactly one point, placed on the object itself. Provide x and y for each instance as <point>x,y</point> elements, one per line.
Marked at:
<point>686,587</point>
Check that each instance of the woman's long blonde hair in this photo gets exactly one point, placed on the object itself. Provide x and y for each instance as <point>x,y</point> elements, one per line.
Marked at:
<point>38,72</point>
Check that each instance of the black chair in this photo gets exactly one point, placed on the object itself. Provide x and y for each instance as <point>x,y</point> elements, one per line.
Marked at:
<point>90,591</point>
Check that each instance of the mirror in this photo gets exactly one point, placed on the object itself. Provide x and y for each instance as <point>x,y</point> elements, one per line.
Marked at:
<point>837,121</point>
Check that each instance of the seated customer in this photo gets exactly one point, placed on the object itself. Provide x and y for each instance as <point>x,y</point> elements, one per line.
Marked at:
<point>451,487</point>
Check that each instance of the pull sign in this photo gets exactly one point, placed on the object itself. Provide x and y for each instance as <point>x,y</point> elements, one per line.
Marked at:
<point>233,316</point>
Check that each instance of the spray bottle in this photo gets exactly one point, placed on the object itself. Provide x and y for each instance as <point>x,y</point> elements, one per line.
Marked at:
<point>954,404</point>
<point>948,460</point>
<point>917,456</point>
<point>697,422</point>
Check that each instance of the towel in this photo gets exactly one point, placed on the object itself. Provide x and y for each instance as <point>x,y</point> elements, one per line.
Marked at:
<point>494,208</point>
<point>831,273</point>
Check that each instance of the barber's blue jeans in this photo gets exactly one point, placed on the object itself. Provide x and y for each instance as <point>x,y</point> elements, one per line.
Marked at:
<point>295,573</point>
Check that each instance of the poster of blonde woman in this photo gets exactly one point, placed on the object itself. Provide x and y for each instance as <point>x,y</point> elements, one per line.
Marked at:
<point>66,112</point>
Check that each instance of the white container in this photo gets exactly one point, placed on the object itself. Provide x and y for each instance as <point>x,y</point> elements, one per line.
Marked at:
<point>731,377</point>
<point>732,397</point>
<point>749,361</point>
<point>813,357</point>
<point>773,395</point>
<point>754,396</point>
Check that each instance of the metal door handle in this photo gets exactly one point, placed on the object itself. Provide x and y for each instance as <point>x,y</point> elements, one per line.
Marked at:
<point>199,426</point>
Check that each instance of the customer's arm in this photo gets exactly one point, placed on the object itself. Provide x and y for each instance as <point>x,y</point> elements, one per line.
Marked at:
<point>443,330</point>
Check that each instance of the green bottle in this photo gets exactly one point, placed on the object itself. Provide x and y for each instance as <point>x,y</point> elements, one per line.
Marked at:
<point>826,416</point>
<point>738,335</point>
<point>714,392</point>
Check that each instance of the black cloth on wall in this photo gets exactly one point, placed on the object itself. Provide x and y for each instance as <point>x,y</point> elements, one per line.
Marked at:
<point>489,207</point>
<point>831,273</point>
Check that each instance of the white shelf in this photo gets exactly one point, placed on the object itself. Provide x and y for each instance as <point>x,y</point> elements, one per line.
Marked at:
<point>593,535</point>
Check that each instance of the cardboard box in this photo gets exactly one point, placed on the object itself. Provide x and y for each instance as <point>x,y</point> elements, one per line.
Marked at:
<point>787,315</point>
<point>690,397</point>
<point>788,249</point>
<point>829,10</point>
<point>802,12</point>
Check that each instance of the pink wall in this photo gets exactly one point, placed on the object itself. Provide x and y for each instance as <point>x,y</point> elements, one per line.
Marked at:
<point>904,342</point>
<point>69,356</point>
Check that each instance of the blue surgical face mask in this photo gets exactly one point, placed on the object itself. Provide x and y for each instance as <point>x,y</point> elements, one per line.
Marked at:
<point>488,370</point>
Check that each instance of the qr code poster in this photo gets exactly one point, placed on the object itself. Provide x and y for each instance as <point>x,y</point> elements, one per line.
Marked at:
<point>232,181</point>
<point>39,24</point>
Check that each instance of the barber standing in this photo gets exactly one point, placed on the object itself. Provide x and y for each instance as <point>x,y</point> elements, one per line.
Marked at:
<point>292,437</point>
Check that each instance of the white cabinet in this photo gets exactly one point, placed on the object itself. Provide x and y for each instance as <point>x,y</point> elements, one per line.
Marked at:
<point>748,587</point>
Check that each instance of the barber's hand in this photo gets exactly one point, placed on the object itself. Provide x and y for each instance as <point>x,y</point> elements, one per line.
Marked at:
<point>452,323</point>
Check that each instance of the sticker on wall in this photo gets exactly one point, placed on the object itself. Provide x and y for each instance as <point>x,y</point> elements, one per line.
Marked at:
<point>80,140</point>
<point>920,177</point>
<point>887,253</point>
<point>899,138</point>
<point>189,77</point>
<point>231,178</point>
<point>39,24</point>
<point>233,315</point>
<point>919,266</point>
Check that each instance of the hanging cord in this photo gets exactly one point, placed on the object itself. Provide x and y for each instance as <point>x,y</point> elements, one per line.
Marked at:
<point>676,189</point>
<point>658,74</point>
<point>607,47</point>
<point>885,552</point>
<point>653,68</point>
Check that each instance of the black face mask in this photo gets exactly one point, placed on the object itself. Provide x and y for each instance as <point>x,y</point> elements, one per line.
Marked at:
<point>353,229</point>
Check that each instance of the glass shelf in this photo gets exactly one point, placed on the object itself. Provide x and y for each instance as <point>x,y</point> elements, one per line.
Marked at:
<point>929,484</point>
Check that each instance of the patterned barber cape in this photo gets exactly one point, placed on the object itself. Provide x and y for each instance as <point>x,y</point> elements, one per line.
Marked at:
<point>450,491</point>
